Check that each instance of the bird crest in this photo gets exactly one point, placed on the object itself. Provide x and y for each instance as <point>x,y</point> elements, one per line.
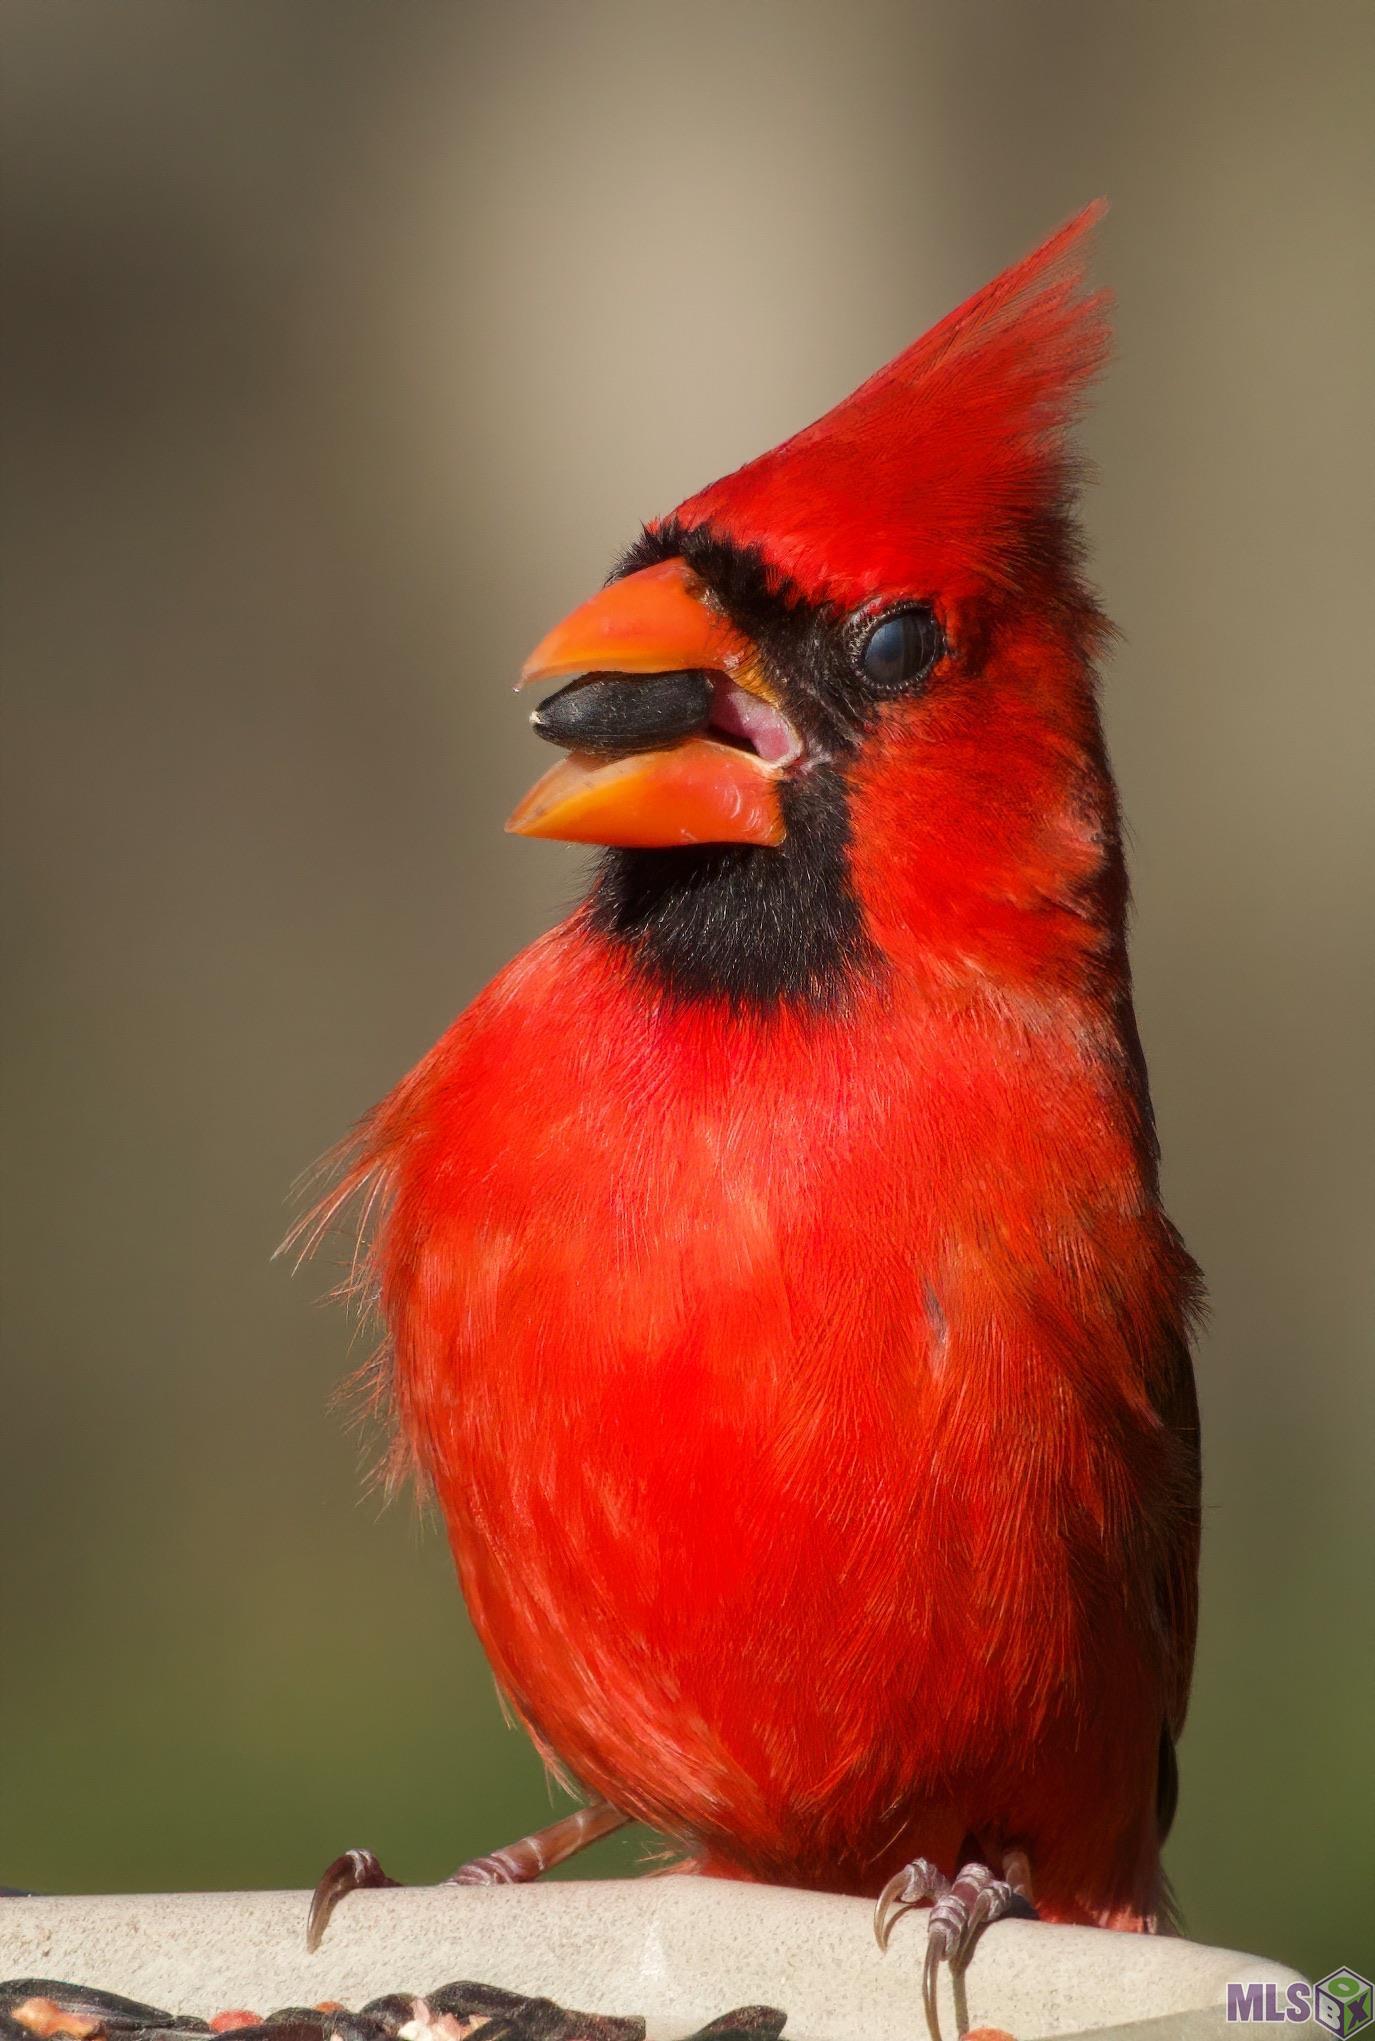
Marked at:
<point>948,469</point>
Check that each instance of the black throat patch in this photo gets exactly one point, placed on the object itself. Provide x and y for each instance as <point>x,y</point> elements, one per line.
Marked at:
<point>758,926</point>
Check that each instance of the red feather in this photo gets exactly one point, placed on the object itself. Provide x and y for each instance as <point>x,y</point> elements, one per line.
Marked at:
<point>947,464</point>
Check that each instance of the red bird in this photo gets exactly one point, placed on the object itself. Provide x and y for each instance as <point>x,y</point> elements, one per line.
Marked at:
<point>779,1298</point>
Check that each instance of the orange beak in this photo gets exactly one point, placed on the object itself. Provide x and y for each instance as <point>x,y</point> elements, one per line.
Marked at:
<point>699,790</point>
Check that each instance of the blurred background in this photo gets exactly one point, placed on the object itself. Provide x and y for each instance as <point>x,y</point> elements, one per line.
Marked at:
<point>347,344</point>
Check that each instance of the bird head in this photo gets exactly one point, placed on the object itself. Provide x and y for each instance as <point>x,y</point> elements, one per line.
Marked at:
<point>838,708</point>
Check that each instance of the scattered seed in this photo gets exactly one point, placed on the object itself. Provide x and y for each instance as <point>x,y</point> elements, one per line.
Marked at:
<point>44,2016</point>
<point>107,2007</point>
<point>42,2009</point>
<point>342,2026</point>
<point>393,2009</point>
<point>748,2023</point>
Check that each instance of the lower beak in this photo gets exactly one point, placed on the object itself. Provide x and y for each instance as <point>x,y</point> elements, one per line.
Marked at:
<point>694,792</point>
<point>699,789</point>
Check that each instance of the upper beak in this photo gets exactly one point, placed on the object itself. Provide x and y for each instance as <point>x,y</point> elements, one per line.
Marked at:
<point>698,790</point>
<point>656,621</point>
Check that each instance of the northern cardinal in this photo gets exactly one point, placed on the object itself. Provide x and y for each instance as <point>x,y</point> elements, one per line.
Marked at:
<point>778,1295</point>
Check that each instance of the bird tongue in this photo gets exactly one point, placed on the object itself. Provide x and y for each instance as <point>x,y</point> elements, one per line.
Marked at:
<point>735,712</point>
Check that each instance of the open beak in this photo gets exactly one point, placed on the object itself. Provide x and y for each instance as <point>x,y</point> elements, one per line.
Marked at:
<point>716,783</point>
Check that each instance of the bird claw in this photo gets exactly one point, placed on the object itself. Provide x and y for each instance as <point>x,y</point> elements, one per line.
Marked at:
<point>355,1871</point>
<point>912,1886</point>
<point>517,1864</point>
<point>959,1914</point>
<point>360,1871</point>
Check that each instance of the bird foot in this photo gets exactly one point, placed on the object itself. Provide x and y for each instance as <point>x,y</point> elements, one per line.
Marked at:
<point>518,1864</point>
<point>960,1911</point>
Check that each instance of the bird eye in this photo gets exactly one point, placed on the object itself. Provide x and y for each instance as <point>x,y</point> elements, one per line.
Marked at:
<point>900,650</point>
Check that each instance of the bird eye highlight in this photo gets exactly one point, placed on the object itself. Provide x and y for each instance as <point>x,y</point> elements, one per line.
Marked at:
<point>899,650</point>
